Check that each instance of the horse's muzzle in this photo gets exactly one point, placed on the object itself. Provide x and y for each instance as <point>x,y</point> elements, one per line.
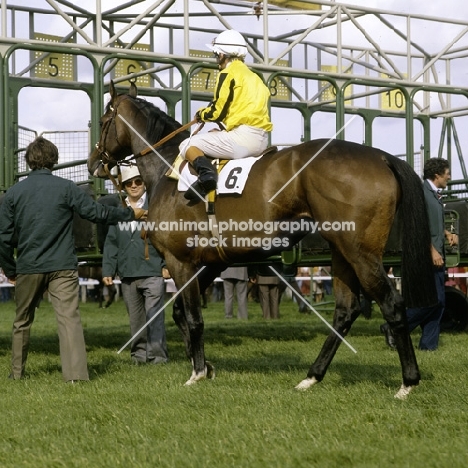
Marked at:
<point>100,171</point>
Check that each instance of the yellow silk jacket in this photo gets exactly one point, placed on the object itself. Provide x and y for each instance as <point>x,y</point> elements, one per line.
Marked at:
<point>240,98</point>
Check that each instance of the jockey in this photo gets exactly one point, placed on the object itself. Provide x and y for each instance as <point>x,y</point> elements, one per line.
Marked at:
<point>240,107</point>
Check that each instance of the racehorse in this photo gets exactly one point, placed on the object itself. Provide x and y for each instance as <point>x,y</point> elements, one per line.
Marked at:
<point>94,271</point>
<point>326,181</point>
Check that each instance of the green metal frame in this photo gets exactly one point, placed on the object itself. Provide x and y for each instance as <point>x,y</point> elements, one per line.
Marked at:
<point>11,86</point>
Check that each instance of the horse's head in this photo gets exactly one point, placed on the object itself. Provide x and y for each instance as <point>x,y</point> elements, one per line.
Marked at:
<point>115,141</point>
<point>128,126</point>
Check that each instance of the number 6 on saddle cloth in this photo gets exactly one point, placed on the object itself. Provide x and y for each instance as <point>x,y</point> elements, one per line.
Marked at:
<point>233,173</point>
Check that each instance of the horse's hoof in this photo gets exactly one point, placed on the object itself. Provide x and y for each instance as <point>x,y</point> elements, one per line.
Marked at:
<point>208,373</point>
<point>403,393</point>
<point>306,383</point>
<point>194,378</point>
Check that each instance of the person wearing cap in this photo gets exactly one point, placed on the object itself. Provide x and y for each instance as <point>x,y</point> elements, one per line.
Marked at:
<point>36,219</point>
<point>141,278</point>
<point>240,107</point>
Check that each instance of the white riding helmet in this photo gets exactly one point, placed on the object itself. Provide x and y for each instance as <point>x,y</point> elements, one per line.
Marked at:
<point>129,172</point>
<point>230,43</point>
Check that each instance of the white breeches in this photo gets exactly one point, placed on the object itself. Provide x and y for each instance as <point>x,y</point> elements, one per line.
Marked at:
<point>238,143</point>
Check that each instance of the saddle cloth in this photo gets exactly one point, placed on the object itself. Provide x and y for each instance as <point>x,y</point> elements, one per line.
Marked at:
<point>232,177</point>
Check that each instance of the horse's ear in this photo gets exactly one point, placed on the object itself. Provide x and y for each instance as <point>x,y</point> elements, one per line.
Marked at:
<point>112,91</point>
<point>133,90</point>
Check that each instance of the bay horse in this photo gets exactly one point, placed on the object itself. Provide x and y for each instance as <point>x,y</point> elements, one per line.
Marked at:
<point>327,181</point>
<point>94,271</point>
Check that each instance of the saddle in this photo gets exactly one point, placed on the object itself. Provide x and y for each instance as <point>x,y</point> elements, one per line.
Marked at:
<point>179,164</point>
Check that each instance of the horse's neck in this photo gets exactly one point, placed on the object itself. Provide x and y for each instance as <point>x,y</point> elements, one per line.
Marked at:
<point>154,165</point>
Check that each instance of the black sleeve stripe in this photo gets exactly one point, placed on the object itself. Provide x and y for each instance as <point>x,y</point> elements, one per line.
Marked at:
<point>222,79</point>
<point>225,109</point>
<point>210,114</point>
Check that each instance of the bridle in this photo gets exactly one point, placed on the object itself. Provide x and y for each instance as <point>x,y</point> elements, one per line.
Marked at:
<point>106,158</point>
<point>104,155</point>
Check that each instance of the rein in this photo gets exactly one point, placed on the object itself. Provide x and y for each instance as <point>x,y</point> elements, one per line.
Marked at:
<point>105,155</point>
<point>99,146</point>
<point>161,142</point>
<point>147,150</point>
<point>115,183</point>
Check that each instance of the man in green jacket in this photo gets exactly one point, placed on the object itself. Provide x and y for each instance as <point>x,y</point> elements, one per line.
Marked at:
<point>142,279</point>
<point>36,218</point>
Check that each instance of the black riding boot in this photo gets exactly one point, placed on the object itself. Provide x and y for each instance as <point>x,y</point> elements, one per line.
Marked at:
<point>207,178</point>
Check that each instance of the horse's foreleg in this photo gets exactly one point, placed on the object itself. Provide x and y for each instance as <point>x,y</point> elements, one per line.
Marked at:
<point>188,317</point>
<point>178,315</point>
<point>186,313</point>
<point>195,325</point>
<point>205,278</point>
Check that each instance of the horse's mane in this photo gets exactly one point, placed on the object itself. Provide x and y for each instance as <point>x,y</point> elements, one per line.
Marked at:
<point>159,124</point>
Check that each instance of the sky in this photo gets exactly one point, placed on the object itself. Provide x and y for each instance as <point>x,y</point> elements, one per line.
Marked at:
<point>452,9</point>
<point>49,110</point>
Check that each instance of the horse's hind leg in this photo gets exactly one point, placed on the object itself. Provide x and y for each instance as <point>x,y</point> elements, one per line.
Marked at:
<point>377,284</point>
<point>347,309</point>
<point>100,293</point>
<point>112,290</point>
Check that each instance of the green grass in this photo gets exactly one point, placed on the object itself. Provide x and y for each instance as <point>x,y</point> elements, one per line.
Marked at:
<point>249,416</point>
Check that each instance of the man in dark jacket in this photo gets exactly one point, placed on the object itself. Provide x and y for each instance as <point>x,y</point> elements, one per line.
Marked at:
<point>36,218</point>
<point>142,279</point>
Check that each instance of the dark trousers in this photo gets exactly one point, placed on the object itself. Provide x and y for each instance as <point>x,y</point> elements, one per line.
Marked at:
<point>428,318</point>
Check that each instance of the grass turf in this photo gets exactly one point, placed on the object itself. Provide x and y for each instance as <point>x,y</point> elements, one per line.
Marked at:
<point>250,415</point>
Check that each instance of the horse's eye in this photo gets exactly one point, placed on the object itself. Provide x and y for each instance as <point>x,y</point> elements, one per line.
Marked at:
<point>101,123</point>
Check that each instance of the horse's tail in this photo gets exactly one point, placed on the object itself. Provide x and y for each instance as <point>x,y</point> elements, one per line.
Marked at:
<point>418,287</point>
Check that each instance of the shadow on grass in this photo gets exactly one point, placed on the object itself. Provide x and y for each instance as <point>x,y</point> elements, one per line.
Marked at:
<point>249,358</point>
<point>347,374</point>
<point>107,365</point>
<point>232,333</point>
